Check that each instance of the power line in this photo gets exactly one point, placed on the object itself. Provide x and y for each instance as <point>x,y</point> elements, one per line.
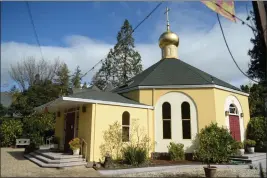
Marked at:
<point>230,50</point>
<point>121,42</point>
<point>34,29</point>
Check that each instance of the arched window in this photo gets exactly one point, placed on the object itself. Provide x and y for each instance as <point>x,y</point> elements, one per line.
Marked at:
<point>186,120</point>
<point>125,126</point>
<point>233,109</point>
<point>166,116</point>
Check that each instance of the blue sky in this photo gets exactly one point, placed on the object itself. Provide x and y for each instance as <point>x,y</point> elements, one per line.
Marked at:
<point>73,26</point>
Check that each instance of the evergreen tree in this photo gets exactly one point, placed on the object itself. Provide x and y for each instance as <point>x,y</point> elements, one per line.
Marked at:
<point>63,79</point>
<point>122,62</point>
<point>255,99</point>
<point>76,78</point>
<point>258,55</point>
<point>84,85</point>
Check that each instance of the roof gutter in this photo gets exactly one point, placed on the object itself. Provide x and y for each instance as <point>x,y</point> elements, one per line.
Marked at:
<point>184,87</point>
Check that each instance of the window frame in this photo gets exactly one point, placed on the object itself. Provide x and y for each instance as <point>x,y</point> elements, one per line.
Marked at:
<point>166,119</point>
<point>186,119</point>
<point>233,106</point>
<point>126,126</point>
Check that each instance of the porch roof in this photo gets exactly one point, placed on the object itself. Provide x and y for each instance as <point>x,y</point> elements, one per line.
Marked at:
<point>91,96</point>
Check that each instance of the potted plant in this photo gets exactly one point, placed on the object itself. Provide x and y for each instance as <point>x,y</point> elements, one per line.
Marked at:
<point>250,145</point>
<point>241,150</point>
<point>75,145</point>
<point>55,142</point>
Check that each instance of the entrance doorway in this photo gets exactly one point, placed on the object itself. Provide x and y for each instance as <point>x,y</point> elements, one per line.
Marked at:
<point>234,127</point>
<point>69,132</point>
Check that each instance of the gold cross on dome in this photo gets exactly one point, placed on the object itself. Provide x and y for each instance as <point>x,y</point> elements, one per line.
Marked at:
<point>167,16</point>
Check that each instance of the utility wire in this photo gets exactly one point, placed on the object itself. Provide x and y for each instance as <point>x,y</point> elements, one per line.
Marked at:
<point>121,42</point>
<point>34,29</point>
<point>231,52</point>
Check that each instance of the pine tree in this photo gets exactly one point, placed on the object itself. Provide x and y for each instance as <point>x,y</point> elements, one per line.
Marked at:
<point>258,55</point>
<point>121,63</point>
<point>76,78</point>
<point>128,61</point>
<point>84,85</point>
<point>63,79</point>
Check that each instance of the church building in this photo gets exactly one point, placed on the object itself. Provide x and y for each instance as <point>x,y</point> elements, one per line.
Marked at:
<point>171,100</point>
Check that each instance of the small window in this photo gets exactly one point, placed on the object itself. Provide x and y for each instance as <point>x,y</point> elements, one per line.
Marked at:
<point>186,123</point>
<point>166,117</point>
<point>233,109</point>
<point>125,126</point>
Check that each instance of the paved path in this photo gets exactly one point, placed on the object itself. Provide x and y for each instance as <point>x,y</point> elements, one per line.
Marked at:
<point>13,164</point>
<point>180,170</point>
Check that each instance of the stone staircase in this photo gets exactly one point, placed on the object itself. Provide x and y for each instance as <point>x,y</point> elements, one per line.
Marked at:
<point>253,158</point>
<point>50,159</point>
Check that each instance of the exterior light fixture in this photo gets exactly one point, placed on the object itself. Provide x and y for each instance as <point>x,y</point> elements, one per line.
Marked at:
<point>241,114</point>
<point>226,113</point>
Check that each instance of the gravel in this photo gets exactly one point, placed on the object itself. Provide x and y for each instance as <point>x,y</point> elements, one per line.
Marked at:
<point>196,172</point>
<point>13,164</point>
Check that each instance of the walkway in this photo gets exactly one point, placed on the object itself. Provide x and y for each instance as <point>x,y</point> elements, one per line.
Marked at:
<point>13,164</point>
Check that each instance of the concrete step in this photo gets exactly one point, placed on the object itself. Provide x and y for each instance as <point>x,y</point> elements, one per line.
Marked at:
<point>250,158</point>
<point>56,156</point>
<point>46,165</point>
<point>54,161</point>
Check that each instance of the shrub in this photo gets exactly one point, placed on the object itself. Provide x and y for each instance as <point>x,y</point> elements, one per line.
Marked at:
<point>256,131</point>
<point>10,130</point>
<point>215,145</point>
<point>249,143</point>
<point>134,155</point>
<point>75,143</point>
<point>176,151</point>
<point>55,140</point>
<point>239,145</point>
<point>30,148</point>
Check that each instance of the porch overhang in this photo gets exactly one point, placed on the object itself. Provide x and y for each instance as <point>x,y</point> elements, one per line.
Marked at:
<point>68,102</point>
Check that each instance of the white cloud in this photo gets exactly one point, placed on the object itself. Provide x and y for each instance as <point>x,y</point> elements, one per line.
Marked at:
<point>204,50</point>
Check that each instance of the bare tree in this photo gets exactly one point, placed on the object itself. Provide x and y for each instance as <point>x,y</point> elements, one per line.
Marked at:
<point>25,72</point>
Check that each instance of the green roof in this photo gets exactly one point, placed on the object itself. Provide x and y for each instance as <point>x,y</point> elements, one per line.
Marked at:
<point>173,72</point>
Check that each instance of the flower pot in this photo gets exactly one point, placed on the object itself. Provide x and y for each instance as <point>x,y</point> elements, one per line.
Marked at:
<point>210,171</point>
<point>241,152</point>
<point>76,151</point>
<point>250,149</point>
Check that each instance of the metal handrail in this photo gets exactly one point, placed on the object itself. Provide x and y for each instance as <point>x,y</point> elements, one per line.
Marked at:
<point>85,147</point>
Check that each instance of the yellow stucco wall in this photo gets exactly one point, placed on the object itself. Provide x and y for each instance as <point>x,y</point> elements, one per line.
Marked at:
<point>84,128</point>
<point>59,129</point>
<point>220,98</point>
<point>105,115</point>
<point>134,95</point>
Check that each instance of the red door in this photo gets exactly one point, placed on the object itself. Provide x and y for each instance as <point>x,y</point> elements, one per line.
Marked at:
<point>69,132</point>
<point>234,127</point>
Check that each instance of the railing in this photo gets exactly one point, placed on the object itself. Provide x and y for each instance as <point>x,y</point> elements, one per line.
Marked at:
<point>83,141</point>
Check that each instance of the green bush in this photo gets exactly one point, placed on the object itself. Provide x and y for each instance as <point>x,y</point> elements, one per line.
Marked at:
<point>176,151</point>
<point>134,155</point>
<point>30,148</point>
<point>239,145</point>
<point>249,143</point>
<point>10,130</point>
<point>256,130</point>
<point>215,145</point>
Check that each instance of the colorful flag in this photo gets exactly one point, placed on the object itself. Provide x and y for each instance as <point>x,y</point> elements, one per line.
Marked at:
<point>224,8</point>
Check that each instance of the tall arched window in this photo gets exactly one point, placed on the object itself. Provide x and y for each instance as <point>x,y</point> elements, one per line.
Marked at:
<point>186,120</point>
<point>233,109</point>
<point>166,117</point>
<point>125,126</point>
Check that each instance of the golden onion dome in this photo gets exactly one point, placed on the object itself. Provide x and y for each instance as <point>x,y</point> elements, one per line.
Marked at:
<point>168,38</point>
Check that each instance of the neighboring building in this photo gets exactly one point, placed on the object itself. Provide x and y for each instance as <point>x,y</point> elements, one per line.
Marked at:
<point>171,100</point>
